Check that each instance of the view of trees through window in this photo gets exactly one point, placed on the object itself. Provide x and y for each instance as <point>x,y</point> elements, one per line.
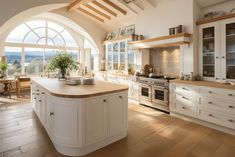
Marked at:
<point>35,43</point>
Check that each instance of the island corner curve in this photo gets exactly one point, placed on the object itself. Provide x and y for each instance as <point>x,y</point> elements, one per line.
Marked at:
<point>81,119</point>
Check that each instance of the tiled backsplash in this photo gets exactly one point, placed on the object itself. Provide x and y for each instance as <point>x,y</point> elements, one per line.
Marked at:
<point>166,61</point>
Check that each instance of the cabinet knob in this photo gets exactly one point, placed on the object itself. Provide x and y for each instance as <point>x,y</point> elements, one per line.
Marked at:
<point>210,102</point>
<point>105,100</point>
<point>230,106</point>
<point>217,57</point>
<point>210,92</point>
<point>43,93</point>
<point>211,115</point>
<point>223,57</point>
<point>120,97</point>
<point>230,94</point>
<point>34,98</point>
<point>39,100</point>
<point>230,120</point>
<point>183,108</point>
<point>184,88</point>
<point>51,113</point>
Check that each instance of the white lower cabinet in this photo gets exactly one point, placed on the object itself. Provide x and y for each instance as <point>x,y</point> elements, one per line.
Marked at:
<point>96,125</point>
<point>78,126</point>
<point>213,105</point>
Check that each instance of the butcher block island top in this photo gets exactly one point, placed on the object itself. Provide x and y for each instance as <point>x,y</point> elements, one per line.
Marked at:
<point>60,89</point>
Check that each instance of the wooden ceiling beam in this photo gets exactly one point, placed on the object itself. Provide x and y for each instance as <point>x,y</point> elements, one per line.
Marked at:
<point>127,6</point>
<point>91,15</point>
<point>137,5</point>
<point>76,4</point>
<point>104,8</point>
<point>97,11</point>
<point>115,6</point>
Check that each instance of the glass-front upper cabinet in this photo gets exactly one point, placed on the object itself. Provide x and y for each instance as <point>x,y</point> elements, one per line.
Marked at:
<point>208,51</point>
<point>209,56</point>
<point>217,47</point>
<point>109,48</point>
<point>230,50</point>
<point>115,56</point>
<point>122,55</point>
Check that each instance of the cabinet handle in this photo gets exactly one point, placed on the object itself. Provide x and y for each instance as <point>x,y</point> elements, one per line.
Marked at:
<point>120,97</point>
<point>210,92</point>
<point>223,57</point>
<point>183,108</point>
<point>217,57</point>
<point>37,90</point>
<point>230,94</point>
<point>210,102</point>
<point>39,100</point>
<point>34,98</point>
<point>51,113</point>
<point>230,120</point>
<point>185,88</point>
<point>37,94</point>
<point>230,106</point>
<point>216,78</point>
<point>43,93</point>
<point>184,98</point>
<point>211,115</point>
<point>105,100</point>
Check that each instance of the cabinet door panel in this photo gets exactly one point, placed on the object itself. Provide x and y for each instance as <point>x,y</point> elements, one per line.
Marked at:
<point>96,112</point>
<point>117,113</point>
<point>66,120</point>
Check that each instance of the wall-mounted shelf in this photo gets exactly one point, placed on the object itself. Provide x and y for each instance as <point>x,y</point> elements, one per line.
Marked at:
<point>164,41</point>
<point>118,39</point>
<point>215,19</point>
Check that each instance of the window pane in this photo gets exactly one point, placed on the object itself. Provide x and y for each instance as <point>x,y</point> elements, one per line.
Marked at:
<point>55,26</point>
<point>33,61</point>
<point>31,38</point>
<point>41,32</point>
<point>41,41</point>
<point>18,34</point>
<point>68,39</point>
<point>14,59</point>
<point>59,41</point>
<point>75,55</point>
<point>51,33</point>
<point>36,23</point>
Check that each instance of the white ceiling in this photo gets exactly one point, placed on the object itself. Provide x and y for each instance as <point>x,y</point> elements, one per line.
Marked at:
<point>206,3</point>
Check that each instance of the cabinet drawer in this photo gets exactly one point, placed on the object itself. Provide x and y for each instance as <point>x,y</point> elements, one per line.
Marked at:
<point>184,109</point>
<point>216,104</point>
<point>217,93</point>
<point>184,89</point>
<point>217,118</point>
<point>184,99</point>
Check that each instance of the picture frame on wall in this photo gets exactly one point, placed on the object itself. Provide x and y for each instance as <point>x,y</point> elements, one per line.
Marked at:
<point>129,30</point>
<point>122,32</point>
<point>108,36</point>
<point>115,34</point>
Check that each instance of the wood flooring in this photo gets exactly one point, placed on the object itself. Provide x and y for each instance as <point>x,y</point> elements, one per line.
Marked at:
<point>151,134</point>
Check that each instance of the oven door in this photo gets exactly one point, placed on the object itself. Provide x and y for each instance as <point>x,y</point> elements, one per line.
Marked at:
<point>160,95</point>
<point>145,92</point>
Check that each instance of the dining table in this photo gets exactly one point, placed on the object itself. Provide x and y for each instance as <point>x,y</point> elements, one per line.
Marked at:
<point>8,84</point>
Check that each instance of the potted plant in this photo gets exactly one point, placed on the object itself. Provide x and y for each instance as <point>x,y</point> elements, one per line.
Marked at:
<point>3,68</point>
<point>63,61</point>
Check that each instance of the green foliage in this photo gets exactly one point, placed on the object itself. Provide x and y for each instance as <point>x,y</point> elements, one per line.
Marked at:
<point>3,66</point>
<point>63,61</point>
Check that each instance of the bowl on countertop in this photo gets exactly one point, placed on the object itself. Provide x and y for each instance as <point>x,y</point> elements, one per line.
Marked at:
<point>88,81</point>
<point>73,82</point>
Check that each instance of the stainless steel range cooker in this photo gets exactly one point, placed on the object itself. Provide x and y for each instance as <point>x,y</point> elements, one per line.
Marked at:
<point>154,92</point>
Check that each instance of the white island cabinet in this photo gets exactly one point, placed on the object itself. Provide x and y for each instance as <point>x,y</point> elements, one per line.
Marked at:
<point>81,119</point>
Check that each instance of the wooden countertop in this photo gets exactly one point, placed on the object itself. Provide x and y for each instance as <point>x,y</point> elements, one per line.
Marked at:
<point>205,83</point>
<point>58,88</point>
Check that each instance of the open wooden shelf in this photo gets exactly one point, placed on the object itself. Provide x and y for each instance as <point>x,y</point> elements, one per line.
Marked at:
<point>164,41</point>
<point>215,19</point>
<point>118,39</point>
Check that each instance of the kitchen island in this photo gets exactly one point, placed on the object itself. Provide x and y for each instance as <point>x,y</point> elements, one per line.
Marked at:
<point>81,119</point>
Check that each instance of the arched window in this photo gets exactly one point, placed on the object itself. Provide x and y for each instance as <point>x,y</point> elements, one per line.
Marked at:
<point>32,44</point>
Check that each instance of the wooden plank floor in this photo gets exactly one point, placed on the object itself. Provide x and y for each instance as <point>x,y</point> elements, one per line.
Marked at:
<point>150,134</point>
